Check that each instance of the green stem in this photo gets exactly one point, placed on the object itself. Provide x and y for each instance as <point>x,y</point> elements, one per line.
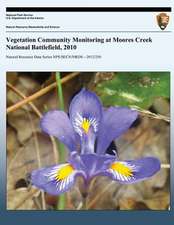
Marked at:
<point>61,200</point>
<point>61,106</point>
<point>59,91</point>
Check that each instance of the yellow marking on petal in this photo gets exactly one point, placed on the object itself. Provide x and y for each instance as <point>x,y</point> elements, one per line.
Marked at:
<point>64,172</point>
<point>85,125</point>
<point>122,169</point>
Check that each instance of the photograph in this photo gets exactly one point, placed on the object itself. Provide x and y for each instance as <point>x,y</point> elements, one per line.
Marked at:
<point>88,140</point>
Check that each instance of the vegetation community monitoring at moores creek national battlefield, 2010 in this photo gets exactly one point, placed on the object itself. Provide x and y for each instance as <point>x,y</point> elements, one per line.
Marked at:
<point>55,43</point>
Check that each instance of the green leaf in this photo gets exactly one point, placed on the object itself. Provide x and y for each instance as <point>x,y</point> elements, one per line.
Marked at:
<point>134,88</point>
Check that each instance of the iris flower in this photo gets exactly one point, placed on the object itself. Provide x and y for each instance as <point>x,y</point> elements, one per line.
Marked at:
<point>87,132</point>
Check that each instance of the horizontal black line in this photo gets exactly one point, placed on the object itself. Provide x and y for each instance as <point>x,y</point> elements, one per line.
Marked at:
<point>88,9</point>
<point>89,31</point>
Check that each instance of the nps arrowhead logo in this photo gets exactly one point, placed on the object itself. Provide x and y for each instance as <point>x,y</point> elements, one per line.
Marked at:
<point>162,20</point>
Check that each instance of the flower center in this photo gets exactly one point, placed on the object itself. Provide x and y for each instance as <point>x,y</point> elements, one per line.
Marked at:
<point>86,125</point>
<point>122,169</point>
<point>64,172</point>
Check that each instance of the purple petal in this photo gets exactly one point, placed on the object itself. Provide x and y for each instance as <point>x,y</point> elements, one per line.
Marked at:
<point>116,120</point>
<point>95,164</point>
<point>46,180</point>
<point>85,114</point>
<point>88,142</point>
<point>132,171</point>
<point>57,123</point>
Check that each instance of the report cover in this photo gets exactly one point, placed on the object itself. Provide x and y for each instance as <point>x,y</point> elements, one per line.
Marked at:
<point>86,112</point>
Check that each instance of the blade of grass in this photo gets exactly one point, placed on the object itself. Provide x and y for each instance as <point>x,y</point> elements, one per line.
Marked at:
<point>61,106</point>
<point>61,199</point>
<point>59,91</point>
